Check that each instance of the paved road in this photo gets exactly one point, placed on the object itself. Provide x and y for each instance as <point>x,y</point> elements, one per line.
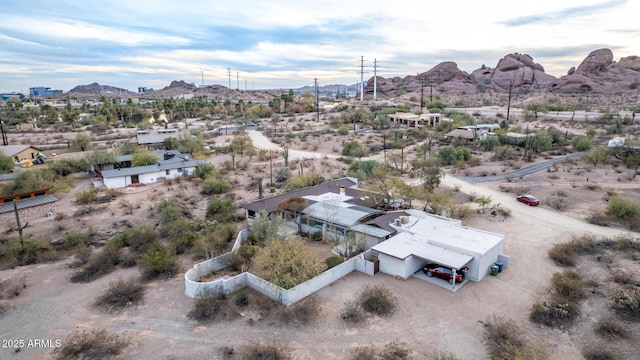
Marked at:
<point>518,173</point>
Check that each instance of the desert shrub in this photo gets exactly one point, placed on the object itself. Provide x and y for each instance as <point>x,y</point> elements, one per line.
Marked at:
<point>377,300</point>
<point>343,130</point>
<point>207,307</point>
<point>610,329</point>
<point>396,350</point>
<point>31,251</point>
<point>627,303</point>
<point>74,238</point>
<point>353,313</point>
<point>67,167</point>
<point>94,344</point>
<point>332,261</point>
<point>241,298</point>
<point>10,288</point>
<point>204,170</point>
<point>137,237</point>
<point>566,254</point>
<point>598,352</point>
<point>303,312</point>
<point>505,152</point>
<point>622,209</point>
<point>568,286</point>
<point>441,355</point>
<point>181,234</point>
<point>86,197</point>
<point>554,314</point>
<point>158,262</point>
<point>212,185</point>
<point>283,175</point>
<point>505,341</point>
<point>220,209</point>
<point>363,352</point>
<point>306,180</point>
<point>581,143</point>
<point>101,263</point>
<point>169,210</point>
<point>214,240</point>
<point>120,294</point>
<point>273,349</point>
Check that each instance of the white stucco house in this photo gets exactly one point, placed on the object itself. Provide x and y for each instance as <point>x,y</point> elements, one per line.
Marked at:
<point>423,238</point>
<point>170,165</point>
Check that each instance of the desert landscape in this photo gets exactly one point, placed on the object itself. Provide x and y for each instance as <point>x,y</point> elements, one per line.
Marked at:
<point>570,292</point>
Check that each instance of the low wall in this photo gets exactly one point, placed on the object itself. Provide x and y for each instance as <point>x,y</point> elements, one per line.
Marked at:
<point>227,285</point>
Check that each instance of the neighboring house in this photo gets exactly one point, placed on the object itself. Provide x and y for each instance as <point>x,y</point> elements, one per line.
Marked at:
<point>155,137</point>
<point>20,152</point>
<point>413,121</point>
<point>171,164</point>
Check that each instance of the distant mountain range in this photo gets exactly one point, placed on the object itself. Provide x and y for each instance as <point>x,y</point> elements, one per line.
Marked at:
<point>597,74</point>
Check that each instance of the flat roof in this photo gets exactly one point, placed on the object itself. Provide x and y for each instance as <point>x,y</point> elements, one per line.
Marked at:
<point>450,234</point>
<point>138,170</point>
<point>28,202</point>
<point>406,244</point>
<point>371,230</point>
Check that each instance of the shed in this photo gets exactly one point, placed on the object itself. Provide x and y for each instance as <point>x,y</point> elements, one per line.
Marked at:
<point>19,152</point>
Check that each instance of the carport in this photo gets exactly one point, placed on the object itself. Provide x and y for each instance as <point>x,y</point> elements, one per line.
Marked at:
<point>443,257</point>
<point>404,254</point>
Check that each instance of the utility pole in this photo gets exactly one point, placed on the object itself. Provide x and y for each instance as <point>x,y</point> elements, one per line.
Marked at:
<point>315,81</point>
<point>229,73</point>
<point>431,93</point>
<point>421,95</point>
<point>361,78</point>
<point>375,78</point>
<point>237,80</point>
<point>270,169</point>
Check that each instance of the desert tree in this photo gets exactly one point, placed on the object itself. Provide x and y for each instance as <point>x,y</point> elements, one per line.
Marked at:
<point>291,208</point>
<point>143,157</point>
<point>483,201</point>
<point>287,263</point>
<point>265,226</point>
<point>82,141</point>
<point>429,172</point>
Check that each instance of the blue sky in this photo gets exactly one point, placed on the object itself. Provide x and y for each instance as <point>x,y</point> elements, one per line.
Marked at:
<point>288,43</point>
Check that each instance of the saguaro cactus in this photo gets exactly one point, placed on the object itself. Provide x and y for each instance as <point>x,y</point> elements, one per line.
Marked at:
<point>260,189</point>
<point>285,154</point>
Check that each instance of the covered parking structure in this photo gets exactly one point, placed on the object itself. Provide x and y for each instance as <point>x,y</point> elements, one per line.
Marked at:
<point>405,254</point>
<point>422,238</point>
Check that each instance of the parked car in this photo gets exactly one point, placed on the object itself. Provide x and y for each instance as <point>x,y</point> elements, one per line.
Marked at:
<point>529,200</point>
<point>443,273</point>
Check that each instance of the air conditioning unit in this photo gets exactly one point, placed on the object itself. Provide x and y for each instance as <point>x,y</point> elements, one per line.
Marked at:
<point>397,222</point>
<point>404,219</point>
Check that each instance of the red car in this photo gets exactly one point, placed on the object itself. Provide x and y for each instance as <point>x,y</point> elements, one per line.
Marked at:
<point>443,273</point>
<point>529,200</point>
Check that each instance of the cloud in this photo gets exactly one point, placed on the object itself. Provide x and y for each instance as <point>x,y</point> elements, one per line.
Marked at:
<point>563,14</point>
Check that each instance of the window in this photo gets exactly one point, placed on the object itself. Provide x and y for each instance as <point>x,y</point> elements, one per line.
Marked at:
<point>167,172</point>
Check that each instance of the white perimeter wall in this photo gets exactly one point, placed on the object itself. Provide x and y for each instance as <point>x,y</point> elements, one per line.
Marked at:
<point>227,285</point>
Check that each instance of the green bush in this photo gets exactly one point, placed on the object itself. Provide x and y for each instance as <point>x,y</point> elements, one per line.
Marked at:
<point>120,294</point>
<point>136,237</point>
<point>343,130</point>
<point>74,238</point>
<point>581,143</point>
<point>212,185</point>
<point>169,210</point>
<point>158,262</point>
<point>220,209</point>
<point>622,209</point>
<point>332,261</point>
<point>627,303</point>
<point>86,197</point>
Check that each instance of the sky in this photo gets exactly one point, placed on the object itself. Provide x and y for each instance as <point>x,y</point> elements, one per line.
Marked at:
<point>271,44</point>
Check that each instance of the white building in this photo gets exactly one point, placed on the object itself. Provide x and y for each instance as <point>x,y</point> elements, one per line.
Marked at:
<point>423,239</point>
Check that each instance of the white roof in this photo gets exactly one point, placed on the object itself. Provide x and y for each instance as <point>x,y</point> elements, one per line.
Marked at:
<point>340,213</point>
<point>450,234</point>
<point>406,244</point>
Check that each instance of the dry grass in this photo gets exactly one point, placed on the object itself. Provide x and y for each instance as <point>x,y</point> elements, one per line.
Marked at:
<point>94,344</point>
